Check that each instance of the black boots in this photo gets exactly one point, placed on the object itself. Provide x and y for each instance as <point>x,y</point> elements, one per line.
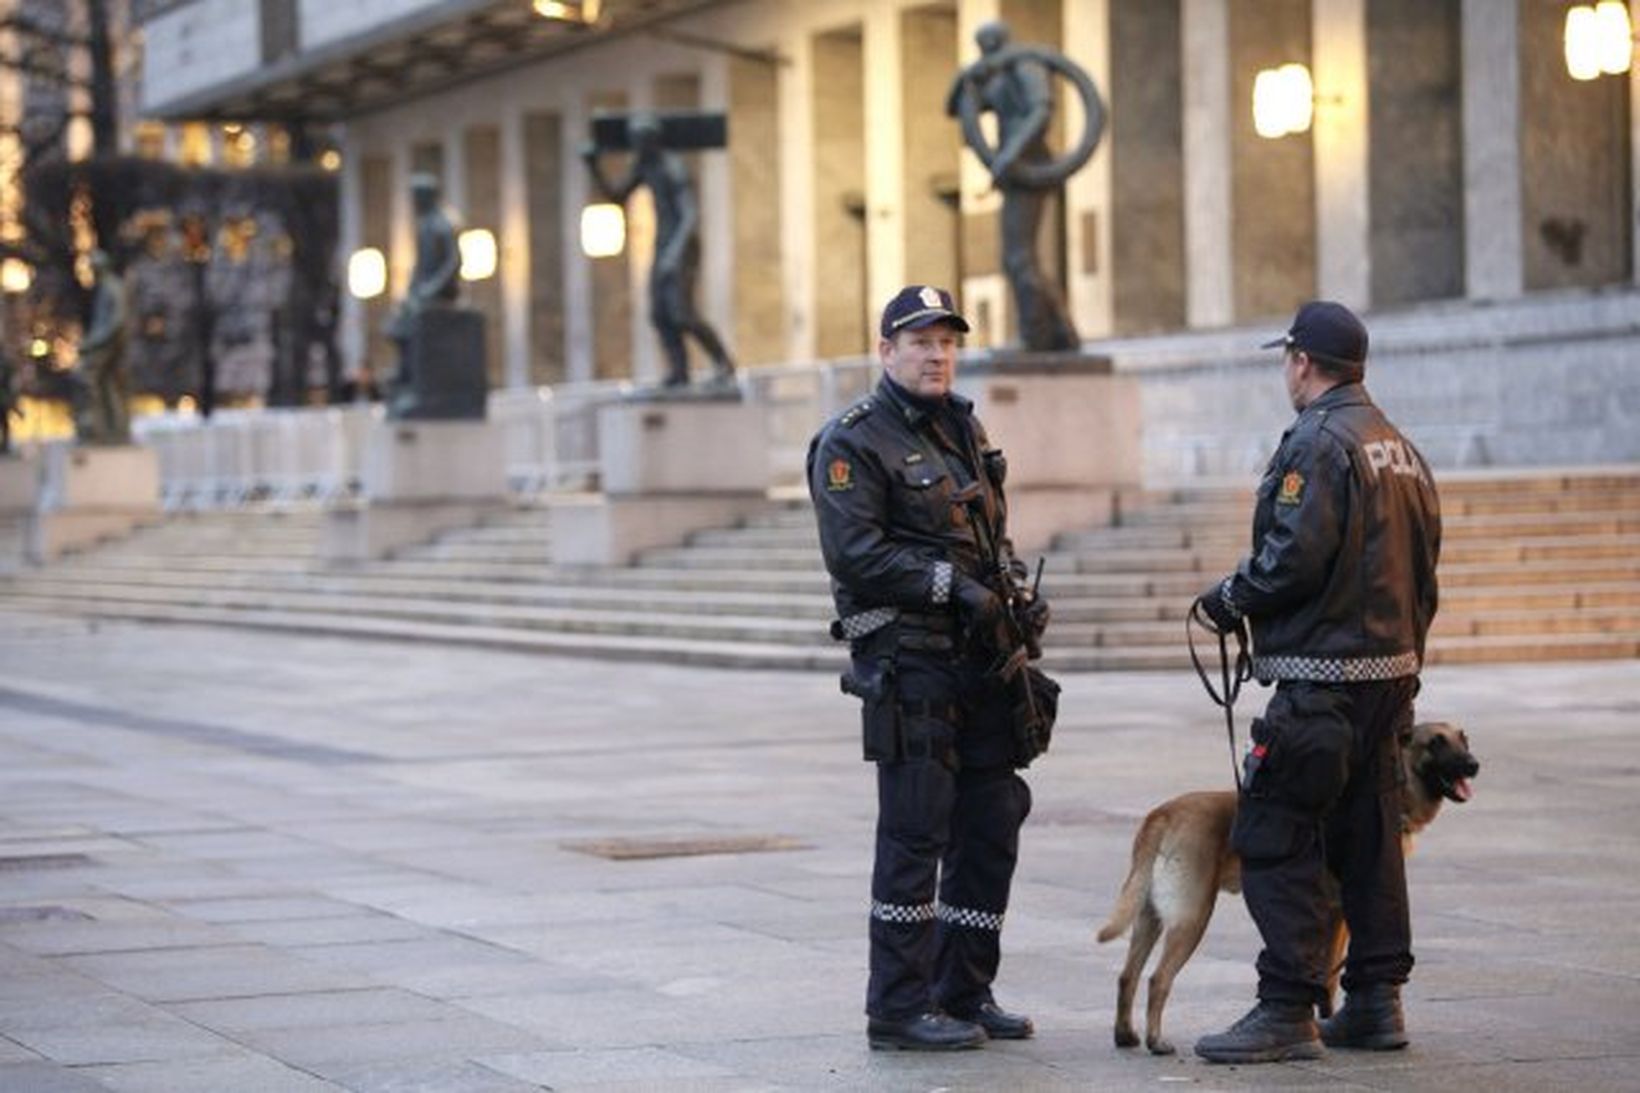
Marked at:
<point>1271,1032</point>
<point>925,1032</point>
<point>998,1023</point>
<point>1371,1019</point>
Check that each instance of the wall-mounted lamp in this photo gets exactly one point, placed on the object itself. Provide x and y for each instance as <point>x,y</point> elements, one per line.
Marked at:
<point>603,230</point>
<point>1599,40</point>
<point>569,11</point>
<point>16,276</point>
<point>367,273</point>
<point>478,259</point>
<point>1283,101</point>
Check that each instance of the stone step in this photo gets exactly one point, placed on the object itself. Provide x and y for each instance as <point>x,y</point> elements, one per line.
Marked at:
<point>721,654</point>
<point>1534,649</point>
<point>1546,549</point>
<point>1495,623</point>
<point>1536,571</point>
<point>183,585</point>
<point>748,655</point>
<point>767,630</point>
<point>481,553</point>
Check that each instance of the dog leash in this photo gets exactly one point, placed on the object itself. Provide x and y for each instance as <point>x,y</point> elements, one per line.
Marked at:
<point>1232,680</point>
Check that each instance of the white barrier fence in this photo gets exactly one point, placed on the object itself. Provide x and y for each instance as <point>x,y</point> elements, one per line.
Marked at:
<point>313,454</point>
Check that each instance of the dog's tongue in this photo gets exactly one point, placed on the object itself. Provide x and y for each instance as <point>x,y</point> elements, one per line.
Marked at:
<point>1461,789</point>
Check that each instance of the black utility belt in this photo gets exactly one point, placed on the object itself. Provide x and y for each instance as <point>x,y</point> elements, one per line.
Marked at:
<point>948,712</point>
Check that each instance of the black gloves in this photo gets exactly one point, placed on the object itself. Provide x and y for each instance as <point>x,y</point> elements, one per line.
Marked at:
<point>1034,618</point>
<point>1212,608</point>
<point>980,611</point>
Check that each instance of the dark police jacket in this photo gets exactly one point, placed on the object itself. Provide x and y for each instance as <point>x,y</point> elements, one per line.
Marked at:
<point>889,477</point>
<point>1340,587</point>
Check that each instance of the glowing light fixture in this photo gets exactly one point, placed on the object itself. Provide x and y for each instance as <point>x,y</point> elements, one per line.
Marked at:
<point>330,159</point>
<point>1283,101</point>
<point>477,254</point>
<point>15,276</point>
<point>603,230</point>
<point>569,11</point>
<point>1599,40</point>
<point>367,273</point>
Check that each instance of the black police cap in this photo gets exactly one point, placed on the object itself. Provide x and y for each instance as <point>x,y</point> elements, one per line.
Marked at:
<point>1323,328</point>
<point>917,306</point>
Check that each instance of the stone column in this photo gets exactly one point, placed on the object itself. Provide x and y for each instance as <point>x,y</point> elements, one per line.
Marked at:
<point>929,148</point>
<point>984,288</point>
<point>1339,52</point>
<point>579,326</point>
<point>1089,202</point>
<point>513,240</point>
<point>349,238</point>
<point>716,294</point>
<point>797,195</point>
<point>1634,158</point>
<point>1491,163</point>
<point>1205,43</point>
<point>885,159</point>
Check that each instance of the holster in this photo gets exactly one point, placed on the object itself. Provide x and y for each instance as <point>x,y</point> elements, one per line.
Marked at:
<point>871,679</point>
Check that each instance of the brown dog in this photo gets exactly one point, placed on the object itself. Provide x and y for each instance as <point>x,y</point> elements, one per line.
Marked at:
<point>1182,860</point>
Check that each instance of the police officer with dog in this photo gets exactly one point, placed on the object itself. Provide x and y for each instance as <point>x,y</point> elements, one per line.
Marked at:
<point>908,495</point>
<point>1339,592</point>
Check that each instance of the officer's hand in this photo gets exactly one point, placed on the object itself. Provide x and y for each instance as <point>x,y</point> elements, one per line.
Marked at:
<point>1035,620</point>
<point>980,611</point>
<point>1210,607</point>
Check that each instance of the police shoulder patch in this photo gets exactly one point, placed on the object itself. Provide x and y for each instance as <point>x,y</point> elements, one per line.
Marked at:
<point>1292,489</point>
<point>839,475</point>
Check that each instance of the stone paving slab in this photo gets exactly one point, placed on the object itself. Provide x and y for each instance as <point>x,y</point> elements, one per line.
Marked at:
<point>323,864</point>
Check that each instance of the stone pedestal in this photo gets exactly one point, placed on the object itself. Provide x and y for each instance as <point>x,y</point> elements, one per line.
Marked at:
<point>82,494</point>
<point>669,467</point>
<point>19,486</point>
<point>441,376</point>
<point>1071,429</point>
<point>419,478</point>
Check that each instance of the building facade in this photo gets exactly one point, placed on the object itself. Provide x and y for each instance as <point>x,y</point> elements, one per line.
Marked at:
<point>1450,159</point>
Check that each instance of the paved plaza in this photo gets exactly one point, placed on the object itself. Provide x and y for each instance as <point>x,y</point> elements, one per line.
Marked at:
<point>235,862</point>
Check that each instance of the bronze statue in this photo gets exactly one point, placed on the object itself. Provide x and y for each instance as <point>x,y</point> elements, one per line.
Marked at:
<point>677,246</point>
<point>102,412</point>
<point>437,377</point>
<point>1012,83</point>
<point>8,400</point>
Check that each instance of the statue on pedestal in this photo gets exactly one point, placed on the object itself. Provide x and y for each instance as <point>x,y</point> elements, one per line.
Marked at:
<point>1011,82</point>
<point>677,244</point>
<point>441,370</point>
<point>102,411</point>
<point>8,400</point>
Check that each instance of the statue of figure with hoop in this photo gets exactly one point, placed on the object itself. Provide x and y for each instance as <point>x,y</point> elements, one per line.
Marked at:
<point>1012,82</point>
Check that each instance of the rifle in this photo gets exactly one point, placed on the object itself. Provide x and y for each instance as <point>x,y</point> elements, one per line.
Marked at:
<point>1029,689</point>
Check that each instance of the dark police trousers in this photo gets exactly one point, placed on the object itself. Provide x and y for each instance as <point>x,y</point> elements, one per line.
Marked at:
<point>948,820</point>
<point>1319,818</point>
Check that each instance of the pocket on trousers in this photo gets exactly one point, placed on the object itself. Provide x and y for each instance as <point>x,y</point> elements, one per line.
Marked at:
<point>1262,833</point>
<point>1309,750</point>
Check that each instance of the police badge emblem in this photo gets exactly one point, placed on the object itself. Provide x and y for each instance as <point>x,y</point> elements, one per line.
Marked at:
<point>839,475</point>
<point>1292,489</point>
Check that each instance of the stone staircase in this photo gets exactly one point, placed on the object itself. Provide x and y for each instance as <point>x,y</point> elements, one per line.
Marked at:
<point>1535,566</point>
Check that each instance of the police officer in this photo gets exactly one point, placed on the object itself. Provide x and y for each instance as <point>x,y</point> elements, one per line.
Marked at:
<point>908,496</point>
<point>1339,590</point>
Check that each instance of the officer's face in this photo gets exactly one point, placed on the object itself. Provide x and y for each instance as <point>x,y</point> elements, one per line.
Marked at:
<point>1296,370</point>
<point>923,361</point>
